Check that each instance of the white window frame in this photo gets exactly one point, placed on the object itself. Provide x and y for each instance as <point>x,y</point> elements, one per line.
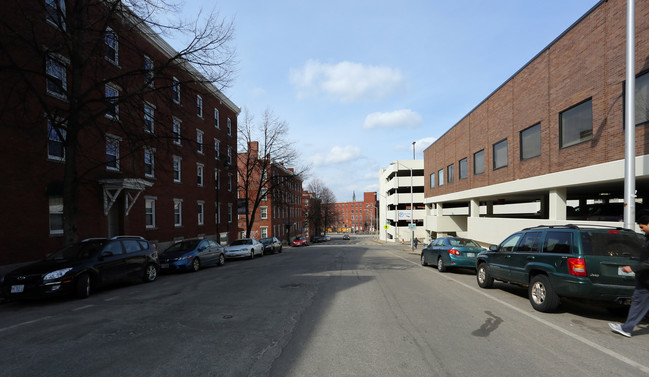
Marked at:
<point>149,118</point>
<point>51,131</point>
<point>217,123</point>
<point>229,212</point>
<point>57,74</point>
<point>229,160</point>
<point>177,169</point>
<point>229,182</point>
<point>201,212</point>
<point>263,213</point>
<point>200,174</point>
<point>199,106</point>
<point>175,90</point>
<point>115,141</point>
<point>55,13</point>
<point>176,130</point>
<point>55,209</point>
<point>149,76</point>
<point>113,97</point>
<point>151,152</point>
<point>178,213</point>
<point>217,179</point>
<point>199,141</point>
<point>264,231</point>
<point>229,127</point>
<point>149,203</point>
<point>217,149</point>
<point>115,46</point>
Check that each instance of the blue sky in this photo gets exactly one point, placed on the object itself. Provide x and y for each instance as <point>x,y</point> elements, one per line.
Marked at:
<point>359,81</point>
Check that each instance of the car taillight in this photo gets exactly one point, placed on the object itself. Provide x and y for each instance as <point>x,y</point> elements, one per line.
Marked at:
<point>614,231</point>
<point>577,266</point>
<point>454,252</point>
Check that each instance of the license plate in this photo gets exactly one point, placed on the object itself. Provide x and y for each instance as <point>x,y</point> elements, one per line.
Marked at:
<point>17,288</point>
<point>164,265</point>
<point>622,273</point>
<point>470,255</point>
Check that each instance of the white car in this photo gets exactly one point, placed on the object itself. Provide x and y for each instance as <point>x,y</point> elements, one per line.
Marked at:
<point>244,248</point>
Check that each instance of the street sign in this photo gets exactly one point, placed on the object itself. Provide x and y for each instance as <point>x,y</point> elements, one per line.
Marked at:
<point>386,227</point>
<point>412,226</point>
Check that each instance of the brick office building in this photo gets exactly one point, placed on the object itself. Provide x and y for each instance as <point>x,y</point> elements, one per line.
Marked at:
<point>280,211</point>
<point>156,141</point>
<point>549,139</point>
<point>357,216</point>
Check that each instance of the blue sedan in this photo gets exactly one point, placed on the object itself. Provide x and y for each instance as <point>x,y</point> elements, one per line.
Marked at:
<point>451,252</point>
<point>191,255</point>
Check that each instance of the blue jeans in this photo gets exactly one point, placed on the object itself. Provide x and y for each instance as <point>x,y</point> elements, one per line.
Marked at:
<point>639,308</point>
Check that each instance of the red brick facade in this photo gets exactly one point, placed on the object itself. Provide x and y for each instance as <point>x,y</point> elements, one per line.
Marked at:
<point>357,216</point>
<point>33,178</point>
<point>586,63</point>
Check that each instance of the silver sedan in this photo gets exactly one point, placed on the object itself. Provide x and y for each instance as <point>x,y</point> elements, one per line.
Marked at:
<point>244,248</point>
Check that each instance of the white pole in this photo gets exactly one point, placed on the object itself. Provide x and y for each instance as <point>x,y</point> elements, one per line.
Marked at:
<point>629,121</point>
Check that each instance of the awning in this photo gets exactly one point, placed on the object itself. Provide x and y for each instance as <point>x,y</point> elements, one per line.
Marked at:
<point>132,188</point>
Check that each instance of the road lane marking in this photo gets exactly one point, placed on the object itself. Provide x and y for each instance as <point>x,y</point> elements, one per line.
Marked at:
<point>24,323</point>
<point>594,345</point>
<point>82,307</point>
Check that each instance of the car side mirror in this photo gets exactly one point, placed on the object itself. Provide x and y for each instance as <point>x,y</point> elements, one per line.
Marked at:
<point>493,247</point>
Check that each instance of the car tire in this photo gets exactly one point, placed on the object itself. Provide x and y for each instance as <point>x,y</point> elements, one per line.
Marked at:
<point>541,294</point>
<point>221,260</point>
<point>423,260</point>
<point>82,286</point>
<point>196,265</point>
<point>440,265</point>
<point>280,249</point>
<point>150,273</point>
<point>482,276</point>
<point>252,253</point>
<point>262,253</point>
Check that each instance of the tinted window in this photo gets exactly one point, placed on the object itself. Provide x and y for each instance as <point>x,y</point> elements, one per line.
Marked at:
<point>462,242</point>
<point>510,243</point>
<point>576,124</point>
<point>114,247</point>
<point>558,242</point>
<point>79,250</point>
<point>131,246</point>
<point>611,243</point>
<point>530,242</point>
<point>184,245</point>
<point>478,162</point>
<point>531,142</point>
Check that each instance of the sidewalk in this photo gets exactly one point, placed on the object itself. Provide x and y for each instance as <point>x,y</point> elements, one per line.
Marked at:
<point>403,247</point>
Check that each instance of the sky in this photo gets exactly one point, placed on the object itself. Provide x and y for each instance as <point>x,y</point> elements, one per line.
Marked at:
<point>359,81</point>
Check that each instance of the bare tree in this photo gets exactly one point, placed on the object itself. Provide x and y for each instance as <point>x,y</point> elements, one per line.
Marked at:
<point>265,154</point>
<point>322,214</point>
<point>67,44</point>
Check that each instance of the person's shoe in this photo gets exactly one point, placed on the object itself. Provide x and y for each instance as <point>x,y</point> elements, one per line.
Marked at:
<point>618,329</point>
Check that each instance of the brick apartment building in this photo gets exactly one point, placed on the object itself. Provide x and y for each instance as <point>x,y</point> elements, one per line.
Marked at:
<point>357,216</point>
<point>550,138</point>
<point>156,143</point>
<point>280,211</point>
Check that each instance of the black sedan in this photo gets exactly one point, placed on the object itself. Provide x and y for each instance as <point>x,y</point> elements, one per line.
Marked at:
<point>271,245</point>
<point>79,268</point>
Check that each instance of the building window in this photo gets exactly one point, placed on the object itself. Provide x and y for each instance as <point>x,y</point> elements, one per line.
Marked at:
<point>199,106</point>
<point>55,142</point>
<point>56,77</point>
<point>500,154</point>
<point>199,174</point>
<point>148,71</point>
<point>440,177</point>
<point>478,162</point>
<point>230,182</point>
<point>530,139</point>
<point>217,149</point>
<point>111,97</point>
<point>229,159</point>
<point>450,173</point>
<point>149,117</point>
<point>217,213</point>
<point>264,232</point>
<point>149,163</point>
<point>177,168</point>
<point>176,131</point>
<point>576,124</point>
<point>229,127</point>
<point>217,179</point>
<point>175,90</point>
<point>217,124</point>
<point>432,180</point>
<point>464,168</point>
<point>642,99</point>
<point>201,212</point>
<point>112,152</point>
<point>264,194</point>
<point>199,141</point>
<point>56,215</point>
<point>112,47</point>
<point>55,13</point>
<point>178,212</point>
<point>263,213</point>
<point>149,212</point>
<point>230,212</point>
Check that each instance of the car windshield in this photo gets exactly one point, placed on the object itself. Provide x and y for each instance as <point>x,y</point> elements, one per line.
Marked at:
<point>77,251</point>
<point>462,242</point>
<point>241,242</point>
<point>266,240</point>
<point>611,243</point>
<point>183,246</point>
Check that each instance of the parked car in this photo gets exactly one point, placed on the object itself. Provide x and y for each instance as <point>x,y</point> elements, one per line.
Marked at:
<point>300,241</point>
<point>191,255</point>
<point>346,237</point>
<point>244,248</point>
<point>317,239</point>
<point>82,267</point>
<point>327,238</point>
<point>447,252</point>
<point>583,262</point>
<point>271,245</point>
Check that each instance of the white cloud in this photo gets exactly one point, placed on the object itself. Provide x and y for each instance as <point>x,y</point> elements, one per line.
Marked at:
<point>420,146</point>
<point>396,119</point>
<point>346,81</point>
<point>336,155</point>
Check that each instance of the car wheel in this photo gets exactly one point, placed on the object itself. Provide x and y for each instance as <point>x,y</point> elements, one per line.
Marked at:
<point>542,295</point>
<point>423,260</point>
<point>196,264</point>
<point>483,277</point>
<point>262,253</point>
<point>440,265</point>
<point>221,260</point>
<point>150,273</point>
<point>252,253</point>
<point>82,286</point>
<point>280,249</point>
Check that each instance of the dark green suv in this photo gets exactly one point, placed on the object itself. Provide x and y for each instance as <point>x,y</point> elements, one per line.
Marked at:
<point>569,261</point>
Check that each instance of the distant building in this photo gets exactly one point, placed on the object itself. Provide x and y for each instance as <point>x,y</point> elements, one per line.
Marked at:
<point>356,216</point>
<point>401,201</point>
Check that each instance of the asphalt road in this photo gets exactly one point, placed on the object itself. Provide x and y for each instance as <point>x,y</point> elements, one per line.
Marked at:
<point>341,308</point>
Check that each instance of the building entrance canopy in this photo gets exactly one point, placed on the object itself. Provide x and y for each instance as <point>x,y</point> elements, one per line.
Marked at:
<point>132,188</point>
